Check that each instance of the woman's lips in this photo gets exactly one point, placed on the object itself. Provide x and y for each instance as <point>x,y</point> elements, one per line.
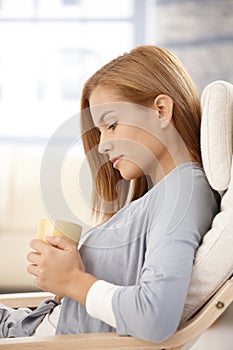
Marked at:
<point>115,161</point>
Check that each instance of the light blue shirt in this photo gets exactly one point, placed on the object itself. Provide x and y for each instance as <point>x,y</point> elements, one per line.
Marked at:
<point>149,248</point>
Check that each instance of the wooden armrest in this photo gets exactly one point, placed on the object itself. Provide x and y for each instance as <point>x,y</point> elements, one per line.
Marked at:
<point>99,341</point>
<point>24,299</point>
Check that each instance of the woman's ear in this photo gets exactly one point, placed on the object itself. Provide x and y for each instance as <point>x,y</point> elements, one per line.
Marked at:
<point>163,104</point>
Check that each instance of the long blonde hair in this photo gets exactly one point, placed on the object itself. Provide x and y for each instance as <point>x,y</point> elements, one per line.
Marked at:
<point>138,77</point>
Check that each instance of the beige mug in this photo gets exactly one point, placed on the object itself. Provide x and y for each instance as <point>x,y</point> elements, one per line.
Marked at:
<point>59,228</point>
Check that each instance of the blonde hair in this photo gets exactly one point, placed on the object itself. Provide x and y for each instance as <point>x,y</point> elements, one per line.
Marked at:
<point>138,77</point>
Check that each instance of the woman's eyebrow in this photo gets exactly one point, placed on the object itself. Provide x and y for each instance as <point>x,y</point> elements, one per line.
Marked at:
<point>103,115</point>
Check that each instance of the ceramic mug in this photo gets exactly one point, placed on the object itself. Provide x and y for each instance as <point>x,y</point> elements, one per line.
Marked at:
<point>60,228</point>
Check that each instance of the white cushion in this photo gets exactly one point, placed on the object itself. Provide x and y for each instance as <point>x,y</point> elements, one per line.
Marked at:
<point>216,133</point>
<point>214,259</point>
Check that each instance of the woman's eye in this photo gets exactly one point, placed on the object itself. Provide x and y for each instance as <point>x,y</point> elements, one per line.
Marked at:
<point>112,126</point>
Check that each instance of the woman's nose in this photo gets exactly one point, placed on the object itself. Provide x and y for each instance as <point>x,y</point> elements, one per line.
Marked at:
<point>105,147</point>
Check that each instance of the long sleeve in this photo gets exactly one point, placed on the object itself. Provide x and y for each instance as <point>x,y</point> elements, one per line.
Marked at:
<point>99,301</point>
<point>157,300</point>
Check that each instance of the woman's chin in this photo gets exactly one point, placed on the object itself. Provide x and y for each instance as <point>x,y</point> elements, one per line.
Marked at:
<point>128,174</point>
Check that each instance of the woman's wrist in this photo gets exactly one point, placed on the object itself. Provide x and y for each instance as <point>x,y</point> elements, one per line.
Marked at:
<point>79,285</point>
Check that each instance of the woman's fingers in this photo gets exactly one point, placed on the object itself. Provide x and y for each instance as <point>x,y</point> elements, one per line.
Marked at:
<point>38,245</point>
<point>33,257</point>
<point>33,269</point>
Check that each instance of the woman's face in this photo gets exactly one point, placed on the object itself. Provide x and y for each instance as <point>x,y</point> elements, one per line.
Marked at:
<point>131,135</point>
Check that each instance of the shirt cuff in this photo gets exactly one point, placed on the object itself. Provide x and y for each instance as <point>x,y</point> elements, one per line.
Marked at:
<point>99,301</point>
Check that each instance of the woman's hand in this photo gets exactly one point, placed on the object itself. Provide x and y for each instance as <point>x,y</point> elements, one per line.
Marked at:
<point>58,268</point>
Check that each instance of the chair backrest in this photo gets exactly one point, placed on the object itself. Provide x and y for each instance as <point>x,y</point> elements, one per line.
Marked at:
<point>214,259</point>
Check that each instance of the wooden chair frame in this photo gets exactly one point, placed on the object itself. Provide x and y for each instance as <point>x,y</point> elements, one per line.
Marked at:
<point>111,341</point>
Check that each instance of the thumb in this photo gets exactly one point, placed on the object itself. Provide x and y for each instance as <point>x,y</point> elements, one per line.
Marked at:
<point>59,242</point>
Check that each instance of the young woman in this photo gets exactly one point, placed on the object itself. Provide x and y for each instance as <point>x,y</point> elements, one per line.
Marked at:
<point>140,118</point>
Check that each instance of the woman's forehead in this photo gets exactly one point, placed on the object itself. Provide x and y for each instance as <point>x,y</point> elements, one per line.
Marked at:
<point>102,95</point>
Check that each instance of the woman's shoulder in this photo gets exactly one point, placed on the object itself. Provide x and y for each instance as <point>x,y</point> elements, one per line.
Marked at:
<point>182,179</point>
<point>185,186</point>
